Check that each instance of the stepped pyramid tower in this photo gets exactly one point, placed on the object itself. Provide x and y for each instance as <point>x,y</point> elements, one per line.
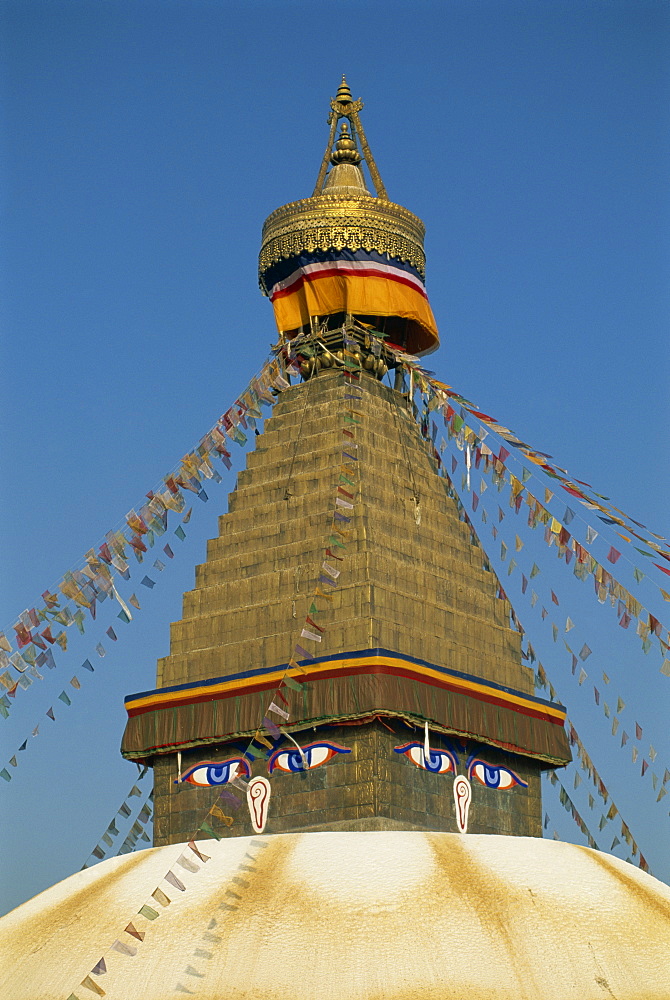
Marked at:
<point>414,711</point>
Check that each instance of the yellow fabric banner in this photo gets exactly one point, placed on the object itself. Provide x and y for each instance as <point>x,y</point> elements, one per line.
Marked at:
<point>367,295</point>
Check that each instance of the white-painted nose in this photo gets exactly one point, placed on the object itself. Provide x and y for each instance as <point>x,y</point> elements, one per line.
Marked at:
<point>462,797</point>
<point>258,800</point>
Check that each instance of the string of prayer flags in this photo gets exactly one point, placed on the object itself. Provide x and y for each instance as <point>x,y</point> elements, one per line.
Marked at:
<point>89,585</point>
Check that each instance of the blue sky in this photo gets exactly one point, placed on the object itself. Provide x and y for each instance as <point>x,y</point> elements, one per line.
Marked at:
<point>147,142</point>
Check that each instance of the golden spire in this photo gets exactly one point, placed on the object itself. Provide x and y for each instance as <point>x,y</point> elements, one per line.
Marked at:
<point>343,106</point>
<point>343,95</point>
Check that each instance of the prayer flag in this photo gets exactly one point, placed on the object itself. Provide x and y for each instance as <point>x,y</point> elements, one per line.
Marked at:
<point>149,913</point>
<point>210,830</point>
<point>89,984</point>
<point>64,697</point>
<point>135,603</point>
<point>584,652</point>
<point>100,649</point>
<point>160,897</point>
<point>202,857</point>
<point>111,633</point>
<point>271,727</point>
<point>87,665</point>
<point>125,949</point>
<point>292,683</point>
<point>180,533</point>
<point>50,713</point>
<point>272,707</point>
<point>100,969</point>
<point>219,813</point>
<point>172,878</point>
<point>186,863</point>
<point>168,552</point>
<point>148,582</point>
<point>259,738</point>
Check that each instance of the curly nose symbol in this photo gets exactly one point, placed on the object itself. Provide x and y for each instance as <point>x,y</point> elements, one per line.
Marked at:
<point>258,799</point>
<point>462,797</point>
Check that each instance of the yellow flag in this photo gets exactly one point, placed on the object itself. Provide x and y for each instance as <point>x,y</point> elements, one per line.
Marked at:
<point>219,813</point>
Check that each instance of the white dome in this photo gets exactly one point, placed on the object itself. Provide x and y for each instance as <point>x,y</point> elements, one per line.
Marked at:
<point>349,916</point>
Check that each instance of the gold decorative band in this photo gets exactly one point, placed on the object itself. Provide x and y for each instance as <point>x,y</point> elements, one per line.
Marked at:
<point>333,223</point>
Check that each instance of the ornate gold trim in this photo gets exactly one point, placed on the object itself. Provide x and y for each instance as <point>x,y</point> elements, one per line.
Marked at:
<point>330,222</point>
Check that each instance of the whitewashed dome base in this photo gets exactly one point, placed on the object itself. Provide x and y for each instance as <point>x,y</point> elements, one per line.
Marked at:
<point>350,916</point>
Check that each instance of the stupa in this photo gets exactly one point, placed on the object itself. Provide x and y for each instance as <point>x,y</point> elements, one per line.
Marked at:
<point>345,700</point>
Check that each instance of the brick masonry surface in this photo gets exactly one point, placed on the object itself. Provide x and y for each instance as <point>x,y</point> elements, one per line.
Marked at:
<point>371,788</point>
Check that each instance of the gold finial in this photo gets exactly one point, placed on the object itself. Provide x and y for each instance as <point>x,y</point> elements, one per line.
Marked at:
<point>343,95</point>
<point>345,148</point>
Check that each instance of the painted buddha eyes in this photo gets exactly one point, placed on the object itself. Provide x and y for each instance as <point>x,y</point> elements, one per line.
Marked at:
<point>217,772</point>
<point>444,762</point>
<point>494,775</point>
<point>438,761</point>
<point>315,754</point>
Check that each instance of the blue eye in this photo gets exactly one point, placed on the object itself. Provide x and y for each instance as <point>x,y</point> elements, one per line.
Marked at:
<point>316,754</point>
<point>438,761</point>
<point>216,772</point>
<point>494,775</point>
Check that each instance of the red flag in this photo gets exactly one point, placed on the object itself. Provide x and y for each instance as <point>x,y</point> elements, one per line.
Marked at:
<point>132,930</point>
<point>198,854</point>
